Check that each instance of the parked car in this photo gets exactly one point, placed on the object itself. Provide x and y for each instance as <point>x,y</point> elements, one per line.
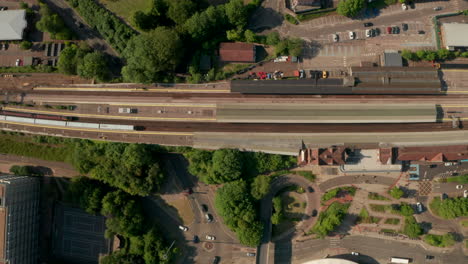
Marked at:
<point>196,239</point>
<point>210,237</point>
<point>314,213</point>
<point>204,208</point>
<point>433,166</point>
<point>419,207</point>
<point>368,33</point>
<point>444,196</point>
<point>302,74</point>
<point>420,32</point>
<point>209,217</point>
<point>310,189</point>
<point>3,8</point>
<point>368,24</point>
<point>404,27</point>
<point>459,187</point>
<point>352,35</point>
<point>335,37</point>
<point>438,8</point>
<point>389,30</point>
<point>18,62</point>
<point>404,6</point>
<point>183,228</point>
<point>448,164</point>
<point>216,260</point>
<point>377,31</point>
<point>315,74</point>
<point>250,254</point>
<point>324,74</point>
<point>355,253</point>
<point>429,257</point>
<point>395,30</point>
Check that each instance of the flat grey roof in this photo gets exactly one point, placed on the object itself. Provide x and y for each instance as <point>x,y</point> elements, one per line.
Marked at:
<point>455,34</point>
<point>12,24</point>
<point>393,59</point>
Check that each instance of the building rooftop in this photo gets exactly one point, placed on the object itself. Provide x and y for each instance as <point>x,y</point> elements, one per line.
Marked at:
<point>392,59</point>
<point>237,52</point>
<point>455,34</point>
<point>12,24</point>
<point>433,153</point>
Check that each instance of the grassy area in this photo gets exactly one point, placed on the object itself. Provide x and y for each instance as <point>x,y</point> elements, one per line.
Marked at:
<point>330,219</point>
<point>463,179</point>
<point>306,174</point>
<point>291,19</point>
<point>126,8</point>
<point>365,218</point>
<point>292,212</point>
<point>316,14</point>
<point>27,69</point>
<point>392,221</point>
<point>382,208</point>
<point>446,240</point>
<point>386,230</point>
<point>338,191</point>
<point>376,196</point>
<point>464,223</point>
<point>449,208</point>
<point>25,145</point>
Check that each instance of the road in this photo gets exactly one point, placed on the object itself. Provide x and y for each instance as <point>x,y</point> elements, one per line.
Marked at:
<point>70,16</point>
<point>350,180</point>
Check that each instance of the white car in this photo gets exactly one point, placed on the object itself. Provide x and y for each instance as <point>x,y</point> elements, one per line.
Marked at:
<point>419,206</point>
<point>183,228</point>
<point>404,6</point>
<point>465,193</point>
<point>210,237</point>
<point>352,35</point>
<point>18,61</point>
<point>448,163</point>
<point>368,33</point>
<point>335,37</point>
<point>459,187</point>
<point>355,253</point>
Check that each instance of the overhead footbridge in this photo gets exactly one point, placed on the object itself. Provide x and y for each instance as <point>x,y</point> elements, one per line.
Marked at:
<point>328,113</point>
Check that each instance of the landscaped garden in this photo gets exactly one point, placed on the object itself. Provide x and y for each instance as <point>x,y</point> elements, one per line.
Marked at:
<point>288,209</point>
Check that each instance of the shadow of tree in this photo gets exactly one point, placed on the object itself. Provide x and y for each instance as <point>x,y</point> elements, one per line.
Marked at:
<point>265,19</point>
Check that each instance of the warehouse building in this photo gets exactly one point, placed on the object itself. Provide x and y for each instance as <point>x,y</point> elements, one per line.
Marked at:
<point>19,219</point>
<point>455,36</point>
<point>12,24</point>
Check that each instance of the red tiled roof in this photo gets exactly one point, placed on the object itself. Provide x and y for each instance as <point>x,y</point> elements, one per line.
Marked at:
<point>236,52</point>
<point>433,154</point>
<point>385,154</point>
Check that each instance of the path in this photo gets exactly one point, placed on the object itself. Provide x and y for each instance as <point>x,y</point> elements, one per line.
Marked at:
<point>57,168</point>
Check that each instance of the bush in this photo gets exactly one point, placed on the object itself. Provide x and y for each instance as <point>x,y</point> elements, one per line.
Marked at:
<point>52,23</point>
<point>446,240</point>
<point>334,192</point>
<point>396,192</point>
<point>25,45</point>
<point>411,228</point>
<point>450,208</point>
<point>291,46</point>
<point>277,215</point>
<point>392,221</point>
<point>330,219</point>
<point>24,171</point>
<point>260,186</point>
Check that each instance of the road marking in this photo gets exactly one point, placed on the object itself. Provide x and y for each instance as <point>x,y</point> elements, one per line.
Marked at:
<point>83,89</point>
<point>101,130</point>
<point>110,116</point>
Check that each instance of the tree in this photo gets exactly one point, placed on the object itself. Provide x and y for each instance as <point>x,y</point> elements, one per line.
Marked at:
<point>124,214</point>
<point>408,55</point>
<point>235,34</point>
<point>180,11</point>
<point>52,23</point>
<point>155,248</point>
<point>444,54</point>
<point>430,55</point>
<point>411,228</point>
<point>450,208</point>
<point>94,66</point>
<point>235,205</point>
<point>260,186</point>
<point>396,192</point>
<point>121,257</point>
<point>201,26</point>
<point>152,57</point>
<point>421,54</point>
<point>406,209</point>
<point>237,13</point>
<point>23,171</point>
<point>87,194</point>
<point>273,38</point>
<point>350,8</point>
<point>446,240</point>
<point>330,219</point>
<point>250,36</point>
<point>295,46</point>
<point>227,166</point>
<point>25,45</point>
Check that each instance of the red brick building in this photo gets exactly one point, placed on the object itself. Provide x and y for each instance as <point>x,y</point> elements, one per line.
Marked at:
<point>433,153</point>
